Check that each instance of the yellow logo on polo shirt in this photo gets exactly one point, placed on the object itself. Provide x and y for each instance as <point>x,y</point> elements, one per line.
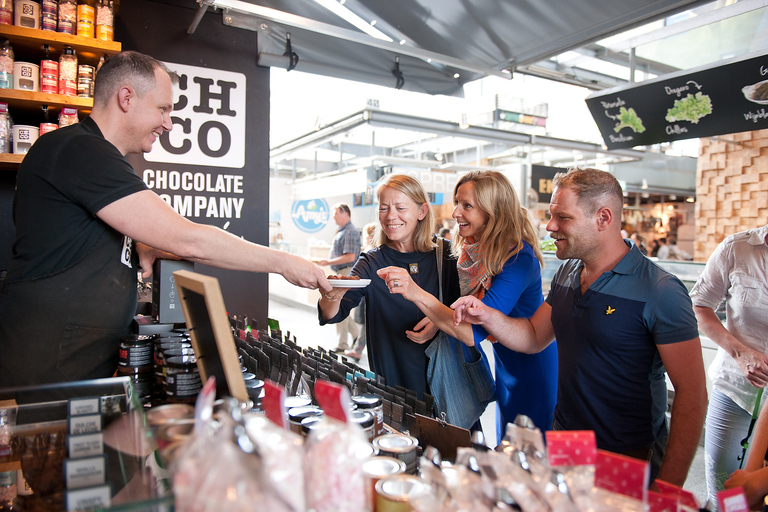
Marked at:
<point>610,310</point>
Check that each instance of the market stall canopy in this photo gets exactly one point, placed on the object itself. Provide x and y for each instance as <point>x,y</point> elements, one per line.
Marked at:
<point>432,46</point>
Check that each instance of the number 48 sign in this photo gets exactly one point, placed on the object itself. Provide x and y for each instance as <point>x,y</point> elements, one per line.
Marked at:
<point>208,119</point>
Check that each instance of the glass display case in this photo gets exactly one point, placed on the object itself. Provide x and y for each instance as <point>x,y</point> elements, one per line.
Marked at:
<point>80,446</point>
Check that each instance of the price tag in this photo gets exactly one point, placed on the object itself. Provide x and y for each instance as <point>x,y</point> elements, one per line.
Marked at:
<point>571,447</point>
<point>273,404</point>
<point>89,499</point>
<point>732,500</point>
<point>86,424</point>
<point>86,472</point>
<point>334,399</point>
<point>85,445</point>
<point>79,406</point>
<point>684,497</point>
<point>661,502</point>
<point>622,474</point>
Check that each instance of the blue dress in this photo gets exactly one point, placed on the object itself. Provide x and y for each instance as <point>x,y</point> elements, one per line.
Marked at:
<point>525,383</point>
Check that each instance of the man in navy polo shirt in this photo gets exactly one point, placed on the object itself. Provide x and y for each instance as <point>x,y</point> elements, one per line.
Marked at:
<point>620,321</point>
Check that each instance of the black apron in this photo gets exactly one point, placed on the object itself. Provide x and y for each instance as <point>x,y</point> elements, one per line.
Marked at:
<point>67,326</point>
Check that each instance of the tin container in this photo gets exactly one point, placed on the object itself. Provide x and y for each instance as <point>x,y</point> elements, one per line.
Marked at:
<point>137,351</point>
<point>297,414</point>
<point>47,127</point>
<point>182,379</point>
<point>380,467</point>
<point>365,420</point>
<point>255,390</point>
<point>374,404</point>
<point>296,401</point>
<point>399,446</point>
<point>396,493</point>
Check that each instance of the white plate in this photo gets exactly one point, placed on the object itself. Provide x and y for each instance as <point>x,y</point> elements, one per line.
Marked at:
<point>349,283</point>
<point>749,91</point>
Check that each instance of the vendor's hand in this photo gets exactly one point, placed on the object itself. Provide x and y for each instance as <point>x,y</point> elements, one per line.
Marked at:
<point>296,270</point>
<point>147,257</point>
<point>470,309</point>
<point>754,367</point>
<point>422,332</point>
<point>399,281</point>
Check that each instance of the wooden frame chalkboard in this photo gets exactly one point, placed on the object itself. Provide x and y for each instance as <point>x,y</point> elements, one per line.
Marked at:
<point>211,333</point>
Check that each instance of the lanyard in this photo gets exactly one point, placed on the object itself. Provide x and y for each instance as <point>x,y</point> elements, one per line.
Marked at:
<point>745,441</point>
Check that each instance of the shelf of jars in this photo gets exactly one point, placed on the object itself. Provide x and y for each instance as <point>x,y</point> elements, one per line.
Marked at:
<point>31,40</point>
<point>32,44</point>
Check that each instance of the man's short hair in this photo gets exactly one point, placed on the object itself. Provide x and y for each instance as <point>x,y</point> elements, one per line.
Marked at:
<point>129,67</point>
<point>594,188</point>
<point>344,207</point>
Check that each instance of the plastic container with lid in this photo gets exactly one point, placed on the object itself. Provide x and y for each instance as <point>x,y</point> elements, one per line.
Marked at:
<point>26,13</point>
<point>67,23</point>
<point>6,65</point>
<point>297,414</point>
<point>399,446</point>
<point>374,404</point>
<point>68,72</point>
<point>365,420</point>
<point>67,117</point>
<point>105,20</point>
<point>6,12</point>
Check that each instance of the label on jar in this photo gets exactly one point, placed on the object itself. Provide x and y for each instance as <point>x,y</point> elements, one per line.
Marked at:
<point>49,84</point>
<point>48,22</point>
<point>47,127</point>
<point>68,87</point>
<point>105,33</point>
<point>50,7</point>
<point>86,13</point>
<point>6,16</point>
<point>49,68</point>
<point>85,29</point>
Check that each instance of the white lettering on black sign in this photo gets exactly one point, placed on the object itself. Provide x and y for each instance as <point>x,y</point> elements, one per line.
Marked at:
<point>225,205</point>
<point>208,119</point>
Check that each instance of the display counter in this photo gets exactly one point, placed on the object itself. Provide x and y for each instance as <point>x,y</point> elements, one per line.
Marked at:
<point>80,445</point>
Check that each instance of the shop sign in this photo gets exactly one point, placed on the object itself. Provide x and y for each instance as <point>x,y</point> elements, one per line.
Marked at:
<point>713,100</point>
<point>310,215</point>
<point>541,181</point>
<point>208,120</point>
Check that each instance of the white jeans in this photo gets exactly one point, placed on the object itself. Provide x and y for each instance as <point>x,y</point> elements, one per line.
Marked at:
<point>727,424</point>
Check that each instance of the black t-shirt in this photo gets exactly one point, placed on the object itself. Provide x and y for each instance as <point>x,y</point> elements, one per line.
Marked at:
<point>70,291</point>
<point>66,178</point>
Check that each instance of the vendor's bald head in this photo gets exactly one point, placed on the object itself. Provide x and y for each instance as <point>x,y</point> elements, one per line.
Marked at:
<point>594,188</point>
<point>127,68</point>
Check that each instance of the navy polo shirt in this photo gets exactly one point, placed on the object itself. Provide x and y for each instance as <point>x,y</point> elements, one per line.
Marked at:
<point>611,378</point>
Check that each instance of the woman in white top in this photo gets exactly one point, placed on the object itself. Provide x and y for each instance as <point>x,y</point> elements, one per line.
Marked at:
<point>737,273</point>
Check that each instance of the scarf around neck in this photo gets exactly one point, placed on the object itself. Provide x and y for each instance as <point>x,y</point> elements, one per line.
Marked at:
<point>474,277</point>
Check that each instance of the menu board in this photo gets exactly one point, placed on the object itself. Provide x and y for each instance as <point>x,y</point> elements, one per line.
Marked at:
<point>727,98</point>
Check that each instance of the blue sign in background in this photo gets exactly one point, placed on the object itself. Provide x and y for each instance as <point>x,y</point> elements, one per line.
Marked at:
<point>310,215</point>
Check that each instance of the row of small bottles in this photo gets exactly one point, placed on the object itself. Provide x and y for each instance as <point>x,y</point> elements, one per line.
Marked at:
<point>86,18</point>
<point>64,76</point>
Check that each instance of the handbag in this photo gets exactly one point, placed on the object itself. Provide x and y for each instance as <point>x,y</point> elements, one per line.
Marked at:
<point>459,377</point>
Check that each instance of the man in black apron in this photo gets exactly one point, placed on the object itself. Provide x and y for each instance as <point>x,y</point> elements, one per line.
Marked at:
<point>85,224</point>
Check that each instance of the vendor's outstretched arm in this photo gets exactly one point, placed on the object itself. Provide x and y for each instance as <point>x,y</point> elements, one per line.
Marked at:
<point>528,335</point>
<point>146,218</point>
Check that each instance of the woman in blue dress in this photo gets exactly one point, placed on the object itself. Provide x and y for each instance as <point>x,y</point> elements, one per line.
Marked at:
<point>499,262</point>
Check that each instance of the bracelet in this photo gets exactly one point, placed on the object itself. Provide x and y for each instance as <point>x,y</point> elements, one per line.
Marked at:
<point>327,296</point>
